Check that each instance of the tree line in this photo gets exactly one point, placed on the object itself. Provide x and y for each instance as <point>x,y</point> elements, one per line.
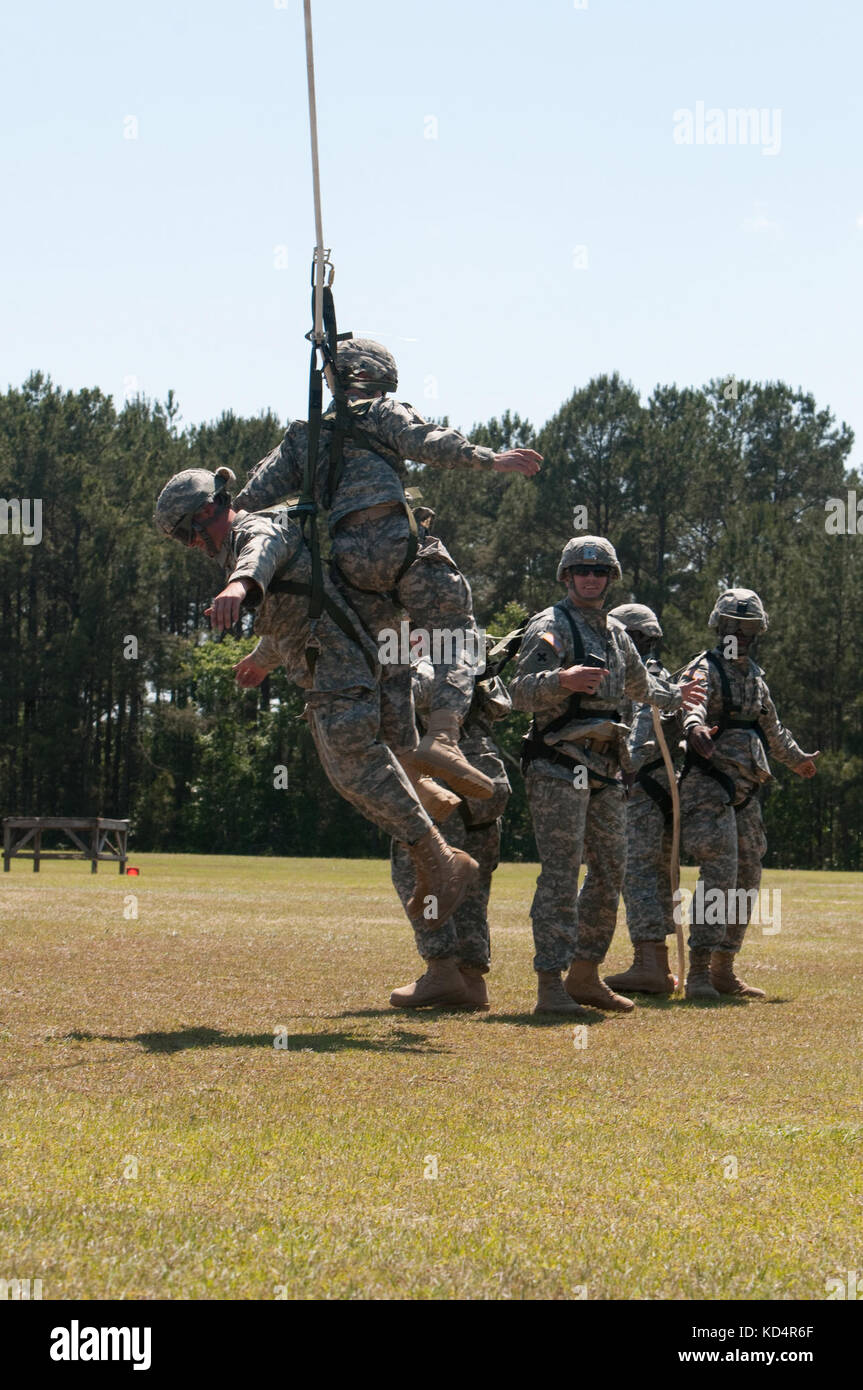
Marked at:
<point>115,700</point>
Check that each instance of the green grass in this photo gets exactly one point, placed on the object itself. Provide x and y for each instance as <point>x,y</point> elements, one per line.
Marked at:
<point>303,1170</point>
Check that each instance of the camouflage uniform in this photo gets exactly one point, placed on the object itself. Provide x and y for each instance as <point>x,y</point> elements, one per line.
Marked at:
<point>647,880</point>
<point>343,707</point>
<point>368,553</point>
<point>474,827</point>
<point>728,841</point>
<point>571,821</point>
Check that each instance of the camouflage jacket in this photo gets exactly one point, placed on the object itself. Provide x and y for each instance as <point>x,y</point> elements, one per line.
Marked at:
<point>740,753</point>
<point>367,478</point>
<point>641,741</point>
<point>267,547</point>
<point>547,649</point>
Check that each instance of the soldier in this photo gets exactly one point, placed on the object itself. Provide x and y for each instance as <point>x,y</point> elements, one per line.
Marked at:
<point>380,563</point>
<point>339,672</point>
<point>729,732</point>
<point>575,667</point>
<point>458,956</point>
<point>647,879</point>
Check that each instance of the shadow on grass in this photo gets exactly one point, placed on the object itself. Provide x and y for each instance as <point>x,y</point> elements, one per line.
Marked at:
<point>590,1016</point>
<point>185,1038</point>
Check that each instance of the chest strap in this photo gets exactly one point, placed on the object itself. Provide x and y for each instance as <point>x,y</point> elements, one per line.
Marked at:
<point>339,617</point>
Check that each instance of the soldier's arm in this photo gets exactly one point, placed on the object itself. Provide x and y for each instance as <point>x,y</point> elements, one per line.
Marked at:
<point>641,686</point>
<point>536,685</point>
<point>780,741</point>
<point>278,475</point>
<point>403,430</point>
<point>697,714</point>
<point>266,655</point>
<point>264,550</point>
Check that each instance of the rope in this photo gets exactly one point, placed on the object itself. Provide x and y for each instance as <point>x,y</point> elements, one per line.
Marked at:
<point>674,866</point>
<point>321,259</point>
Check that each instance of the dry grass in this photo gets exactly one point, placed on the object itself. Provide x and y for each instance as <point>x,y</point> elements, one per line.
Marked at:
<point>264,1171</point>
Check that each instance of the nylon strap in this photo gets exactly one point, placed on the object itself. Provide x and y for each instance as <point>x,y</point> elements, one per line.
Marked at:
<point>339,617</point>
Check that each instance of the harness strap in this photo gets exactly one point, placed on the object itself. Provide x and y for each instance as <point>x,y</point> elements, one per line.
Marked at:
<point>339,617</point>
<point>655,790</point>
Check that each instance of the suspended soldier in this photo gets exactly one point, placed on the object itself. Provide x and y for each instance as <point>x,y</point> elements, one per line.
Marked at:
<point>575,667</point>
<point>729,731</point>
<point>647,890</point>
<point>379,560</point>
<point>458,956</point>
<point>268,568</point>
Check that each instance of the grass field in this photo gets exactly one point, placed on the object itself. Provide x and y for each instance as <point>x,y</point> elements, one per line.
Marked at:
<point>155,1144</point>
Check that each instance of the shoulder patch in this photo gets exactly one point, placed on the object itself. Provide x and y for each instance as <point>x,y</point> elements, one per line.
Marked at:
<point>553,641</point>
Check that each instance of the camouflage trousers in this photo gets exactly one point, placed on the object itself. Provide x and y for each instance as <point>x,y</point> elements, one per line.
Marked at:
<point>570,825</point>
<point>647,880</point>
<point>345,726</point>
<point>728,843</point>
<point>437,599</point>
<point>466,934</point>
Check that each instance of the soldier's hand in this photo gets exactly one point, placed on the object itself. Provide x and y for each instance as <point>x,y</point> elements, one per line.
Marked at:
<point>249,673</point>
<point>701,739</point>
<point>808,769</point>
<point>225,608</point>
<point>692,692</point>
<point>518,461</point>
<point>583,678</point>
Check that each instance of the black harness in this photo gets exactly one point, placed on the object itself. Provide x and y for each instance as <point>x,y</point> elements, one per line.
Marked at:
<point>344,426</point>
<point>533,745</point>
<point>655,790</point>
<point>726,721</point>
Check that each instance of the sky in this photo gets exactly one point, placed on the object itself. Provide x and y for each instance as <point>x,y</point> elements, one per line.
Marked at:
<point>518,194</point>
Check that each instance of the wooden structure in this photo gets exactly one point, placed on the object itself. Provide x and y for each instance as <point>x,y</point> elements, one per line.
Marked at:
<point>19,831</point>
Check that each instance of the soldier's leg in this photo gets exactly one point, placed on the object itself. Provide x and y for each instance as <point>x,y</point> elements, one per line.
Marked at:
<point>751,846</point>
<point>559,812</point>
<point>647,895</point>
<point>368,556</point>
<point>438,597</point>
<point>646,886</point>
<point>366,773</point>
<point>345,726</point>
<point>709,835</point>
<point>605,857</point>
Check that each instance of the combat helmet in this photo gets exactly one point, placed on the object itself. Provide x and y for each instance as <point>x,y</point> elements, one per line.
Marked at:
<point>363,363</point>
<point>589,550</point>
<point>741,606</point>
<point>637,617</point>
<point>184,495</point>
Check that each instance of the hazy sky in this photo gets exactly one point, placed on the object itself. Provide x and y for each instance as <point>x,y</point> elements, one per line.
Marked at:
<point>180,258</point>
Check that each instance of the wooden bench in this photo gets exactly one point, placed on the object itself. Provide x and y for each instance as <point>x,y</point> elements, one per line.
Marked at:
<point>18,831</point>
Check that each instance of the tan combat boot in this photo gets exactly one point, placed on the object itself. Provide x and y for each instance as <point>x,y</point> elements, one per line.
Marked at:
<point>441,987</point>
<point>649,972</point>
<point>698,985</point>
<point>439,755</point>
<point>552,998</point>
<point>584,985</point>
<point>438,802</point>
<point>475,981</point>
<point>444,874</point>
<point>723,978</point>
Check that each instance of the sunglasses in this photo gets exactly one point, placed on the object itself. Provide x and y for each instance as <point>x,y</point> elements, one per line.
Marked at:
<point>601,571</point>
<point>185,531</point>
